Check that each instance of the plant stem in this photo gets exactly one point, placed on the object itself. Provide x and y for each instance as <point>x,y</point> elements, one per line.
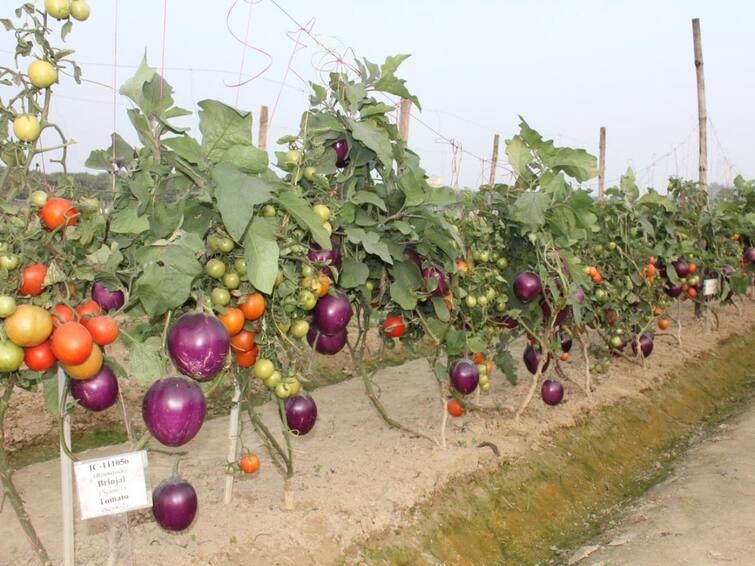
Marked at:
<point>273,446</point>
<point>10,489</point>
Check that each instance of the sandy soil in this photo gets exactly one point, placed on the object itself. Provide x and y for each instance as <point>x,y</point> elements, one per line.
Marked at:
<point>702,514</point>
<point>355,476</point>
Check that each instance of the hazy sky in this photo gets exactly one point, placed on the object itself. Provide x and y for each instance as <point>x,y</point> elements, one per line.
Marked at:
<point>567,66</point>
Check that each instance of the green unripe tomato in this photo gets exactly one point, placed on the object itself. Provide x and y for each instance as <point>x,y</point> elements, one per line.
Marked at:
<point>485,256</point>
<point>11,357</point>
<point>42,74</point>
<point>80,10</point>
<point>476,255</point>
<point>293,157</point>
<point>38,198</point>
<point>485,388</point>
<point>484,380</point>
<point>611,246</point>
<point>307,300</point>
<point>9,262</point>
<point>268,211</point>
<point>213,242</point>
<point>310,173</point>
<point>299,328</point>
<point>264,368</point>
<point>274,379</point>
<point>220,296</point>
<point>7,305</point>
<point>322,211</point>
<point>470,301</point>
<point>240,266</point>
<point>500,305</point>
<point>231,280</point>
<point>307,270</point>
<point>370,286</point>
<point>226,245</point>
<point>598,249</point>
<point>215,268</point>
<point>490,294</point>
<point>482,369</point>
<point>482,300</point>
<point>59,9</point>
<point>502,263</point>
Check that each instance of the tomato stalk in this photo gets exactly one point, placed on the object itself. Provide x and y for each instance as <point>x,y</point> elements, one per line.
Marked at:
<point>9,487</point>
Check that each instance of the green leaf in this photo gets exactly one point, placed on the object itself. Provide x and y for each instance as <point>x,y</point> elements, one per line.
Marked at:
<point>145,360</point>
<point>455,342</point>
<point>133,88</point>
<point>518,154</point>
<point>414,189</point>
<point>102,159</point>
<point>629,187</point>
<point>375,138</point>
<point>106,259</point>
<point>403,295</point>
<point>187,148</point>
<point>529,210</point>
<point>441,309</point>
<point>261,253</point>
<point>375,109</point>
<point>368,197</point>
<point>50,395</point>
<point>223,127</point>
<point>128,221</point>
<point>302,212</point>
<point>370,242</point>
<point>162,287</point>
<point>246,158</point>
<point>391,84</point>
<point>237,195</point>
<point>353,274</point>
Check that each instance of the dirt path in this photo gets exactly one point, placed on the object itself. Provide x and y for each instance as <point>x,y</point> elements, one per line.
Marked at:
<point>703,514</point>
<point>355,476</point>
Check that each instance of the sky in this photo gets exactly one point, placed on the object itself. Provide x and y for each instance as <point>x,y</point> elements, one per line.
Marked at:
<point>568,67</point>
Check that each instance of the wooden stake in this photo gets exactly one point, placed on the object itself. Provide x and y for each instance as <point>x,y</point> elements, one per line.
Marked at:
<point>233,438</point>
<point>602,163</point>
<point>494,160</point>
<point>262,143</point>
<point>66,478</point>
<point>404,116</point>
<point>702,114</point>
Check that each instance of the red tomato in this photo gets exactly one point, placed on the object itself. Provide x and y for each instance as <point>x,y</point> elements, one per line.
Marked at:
<point>247,359</point>
<point>104,330</point>
<point>56,211</point>
<point>62,314</point>
<point>72,343</point>
<point>88,311</point>
<point>394,327</point>
<point>249,463</point>
<point>32,278</point>
<point>40,358</point>
<point>455,409</point>
<point>243,341</point>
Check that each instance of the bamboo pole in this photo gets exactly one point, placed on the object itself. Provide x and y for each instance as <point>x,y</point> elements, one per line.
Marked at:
<point>66,477</point>
<point>262,143</point>
<point>233,438</point>
<point>602,163</point>
<point>702,113</point>
<point>404,116</point>
<point>494,160</point>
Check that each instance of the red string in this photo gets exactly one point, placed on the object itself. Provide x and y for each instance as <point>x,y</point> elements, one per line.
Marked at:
<point>246,45</point>
<point>243,53</point>
<point>298,46</point>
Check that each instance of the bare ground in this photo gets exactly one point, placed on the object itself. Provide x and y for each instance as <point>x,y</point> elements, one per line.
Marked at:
<point>355,476</point>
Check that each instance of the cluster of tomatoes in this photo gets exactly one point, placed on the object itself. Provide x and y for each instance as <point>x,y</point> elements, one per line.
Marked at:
<point>40,339</point>
<point>235,319</point>
<point>283,387</point>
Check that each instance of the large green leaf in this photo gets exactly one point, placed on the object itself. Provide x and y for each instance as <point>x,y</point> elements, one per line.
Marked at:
<point>246,158</point>
<point>223,127</point>
<point>370,242</point>
<point>391,84</point>
<point>237,195</point>
<point>128,221</point>
<point>529,210</point>
<point>102,159</point>
<point>518,154</point>
<point>375,138</point>
<point>413,188</point>
<point>301,211</point>
<point>146,364</point>
<point>353,273</point>
<point>404,296</point>
<point>261,253</point>
<point>186,148</point>
<point>368,197</point>
<point>133,88</point>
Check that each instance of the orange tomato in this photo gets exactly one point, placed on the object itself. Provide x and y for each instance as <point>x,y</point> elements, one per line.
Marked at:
<point>32,279</point>
<point>564,357</point>
<point>650,270</point>
<point>657,311</point>
<point>104,330</point>
<point>233,319</point>
<point>89,368</point>
<point>652,260</point>
<point>324,285</point>
<point>462,266</point>
<point>692,292</point>
<point>593,271</point>
<point>247,359</point>
<point>489,366</point>
<point>479,358</point>
<point>449,301</point>
<point>692,267</point>
<point>735,237</point>
<point>249,463</point>
<point>455,409</point>
<point>242,341</point>
<point>663,324</point>
<point>597,279</point>
<point>254,306</point>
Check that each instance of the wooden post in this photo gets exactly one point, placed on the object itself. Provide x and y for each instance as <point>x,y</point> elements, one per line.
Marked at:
<point>702,114</point>
<point>602,163</point>
<point>494,160</point>
<point>404,116</point>
<point>66,478</point>
<point>262,143</point>
<point>233,438</point>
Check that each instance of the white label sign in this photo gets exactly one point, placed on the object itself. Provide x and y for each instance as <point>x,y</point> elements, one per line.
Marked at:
<point>114,484</point>
<point>710,287</point>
